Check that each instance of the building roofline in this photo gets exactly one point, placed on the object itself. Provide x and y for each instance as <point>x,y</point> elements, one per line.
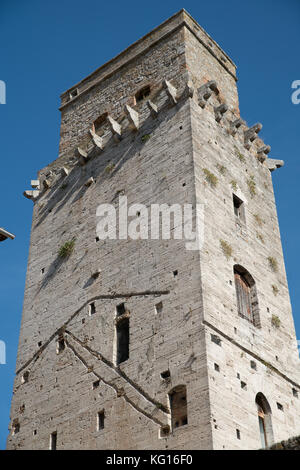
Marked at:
<point>179,19</point>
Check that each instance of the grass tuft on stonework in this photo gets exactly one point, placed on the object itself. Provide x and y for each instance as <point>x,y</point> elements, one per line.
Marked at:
<point>66,249</point>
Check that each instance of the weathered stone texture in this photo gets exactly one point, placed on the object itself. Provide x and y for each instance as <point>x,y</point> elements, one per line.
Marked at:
<point>156,156</point>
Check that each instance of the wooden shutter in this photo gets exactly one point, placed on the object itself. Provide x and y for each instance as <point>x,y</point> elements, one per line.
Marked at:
<point>243,293</point>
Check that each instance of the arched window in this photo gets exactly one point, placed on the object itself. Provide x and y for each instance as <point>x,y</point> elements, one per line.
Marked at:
<point>264,420</point>
<point>178,405</point>
<point>247,301</point>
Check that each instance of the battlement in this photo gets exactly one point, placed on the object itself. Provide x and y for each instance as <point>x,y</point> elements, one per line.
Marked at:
<point>107,130</point>
<point>179,20</point>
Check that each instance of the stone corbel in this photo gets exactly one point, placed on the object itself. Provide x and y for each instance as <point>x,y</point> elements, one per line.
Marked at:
<point>274,164</point>
<point>115,128</point>
<point>189,88</point>
<point>205,92</point>
<point>220,111</point>
<point>133,117</point>
<point>31,194</point>
<point>81,155</point>
<point>152,108</point>
<point>263,152</point>
<point>35,184</point>
<point>235,125</point>
<point>64,171</point>
<point>171,92</point>
<point>46,184</point>
<point>89,182</point>
<point>97,140</point>
<point>251,134</point>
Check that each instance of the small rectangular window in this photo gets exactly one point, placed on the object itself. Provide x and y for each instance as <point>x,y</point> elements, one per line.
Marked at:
<point>121,310</point>
<point>60,345</point>
<point>158,308</point>
<point>92,308</point>
<point>216,339</point>
<point>53,441</point>
<point>101,417</point>
<point>244,385</point>
<point>239,208</point>
<point>96,384</point>
<point>238,434</point>
<point>122,327</point>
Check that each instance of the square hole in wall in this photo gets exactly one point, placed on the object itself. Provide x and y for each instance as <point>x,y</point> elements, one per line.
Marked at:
<point>100,420</point>
<point>216,339</point>
<point>217,367</point>
<point>175,273</point>
<point>165,375</point>
<point>279,406</point>
<point>53,440</point>
<point>40,344</point>
<point>164,431</point>
<point>253,365</point>
<point>96,384</point>
<point>34,432</point>
<point>238,376</point>
<point>158,308</point>
<point>92,308</point>
<point>295,393</point>
<point>25,377</point>
<point>60,345</point>
<point>243,385</point>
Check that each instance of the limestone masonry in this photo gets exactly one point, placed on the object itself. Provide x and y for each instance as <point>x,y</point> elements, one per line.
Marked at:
<point>143,344</point>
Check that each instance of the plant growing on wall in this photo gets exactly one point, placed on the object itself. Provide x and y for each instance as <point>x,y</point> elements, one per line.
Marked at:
<point>275,321</point>
<point>66,249</point>
<point>222,169</point>
<point>240,156</point>
<point>273,263</point>
<point>109,168</point>
<point>275,290</point>
<point>145,137</point>
<point>226,248</point>
<point>210,178</point>
<point>258,220</point>
<point>252,186</point>
<point>233,185</point>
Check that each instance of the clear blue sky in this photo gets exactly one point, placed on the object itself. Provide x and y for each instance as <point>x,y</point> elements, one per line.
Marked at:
<point>46,47</point>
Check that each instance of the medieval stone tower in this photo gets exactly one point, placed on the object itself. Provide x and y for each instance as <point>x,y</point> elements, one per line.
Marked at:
<point>144,344</point>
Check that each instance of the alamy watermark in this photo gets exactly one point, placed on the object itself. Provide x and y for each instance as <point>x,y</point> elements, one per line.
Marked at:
<point>296,94</point>
<point>158,221</point>
<point>2,352</point>
<point>2,92</point>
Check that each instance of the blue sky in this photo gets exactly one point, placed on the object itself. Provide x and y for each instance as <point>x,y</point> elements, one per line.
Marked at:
<point>46,47</point>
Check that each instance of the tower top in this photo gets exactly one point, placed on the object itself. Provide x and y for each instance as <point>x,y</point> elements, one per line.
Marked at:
<point>181,19</point>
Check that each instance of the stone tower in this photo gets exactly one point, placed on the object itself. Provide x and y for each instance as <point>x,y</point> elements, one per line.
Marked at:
<point>143,343</point>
